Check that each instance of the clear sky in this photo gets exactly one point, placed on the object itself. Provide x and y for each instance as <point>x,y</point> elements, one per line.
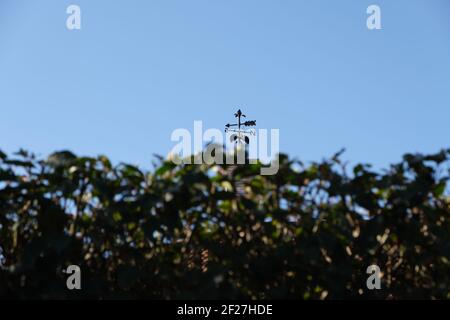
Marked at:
<point>138,69</point>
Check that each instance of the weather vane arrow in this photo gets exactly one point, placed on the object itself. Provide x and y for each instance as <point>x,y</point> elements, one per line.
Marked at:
<point>240,134</point>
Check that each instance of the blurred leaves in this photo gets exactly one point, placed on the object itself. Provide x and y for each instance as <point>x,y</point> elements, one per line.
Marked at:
<point>215,231</point>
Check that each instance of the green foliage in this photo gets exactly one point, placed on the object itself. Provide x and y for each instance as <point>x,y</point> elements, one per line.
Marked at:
<point>309,232</point>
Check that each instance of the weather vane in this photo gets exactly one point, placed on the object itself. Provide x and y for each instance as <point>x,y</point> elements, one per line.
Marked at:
<point>240,134</point>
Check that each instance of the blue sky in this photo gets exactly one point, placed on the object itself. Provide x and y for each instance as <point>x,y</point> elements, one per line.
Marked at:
<point>140,69</point>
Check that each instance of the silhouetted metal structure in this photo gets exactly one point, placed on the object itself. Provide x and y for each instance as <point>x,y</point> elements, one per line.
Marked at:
<point>240,134</point>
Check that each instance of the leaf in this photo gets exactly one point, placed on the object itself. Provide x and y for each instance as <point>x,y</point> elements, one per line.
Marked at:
<point>166,167</point>
<point>440,188</point>
<point>61,159</point>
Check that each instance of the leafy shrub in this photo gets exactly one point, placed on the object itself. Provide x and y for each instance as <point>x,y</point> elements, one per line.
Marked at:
<point>308,232</point>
